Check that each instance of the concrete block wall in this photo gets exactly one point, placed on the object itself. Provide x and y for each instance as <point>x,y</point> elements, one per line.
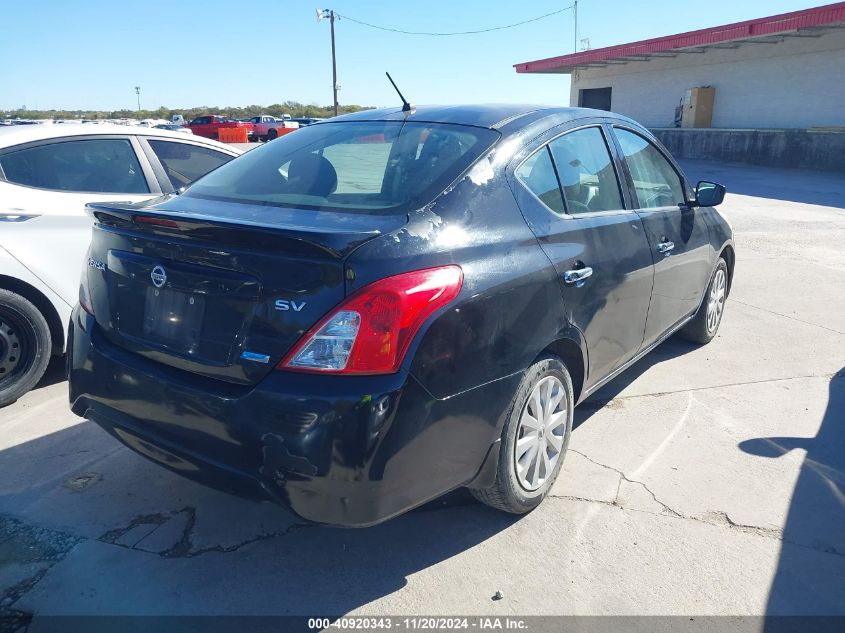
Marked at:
<point>805,149</point>
<point>797,83</point>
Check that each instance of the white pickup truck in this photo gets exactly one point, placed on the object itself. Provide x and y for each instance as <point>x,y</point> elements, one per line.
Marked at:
<point>269,127</point>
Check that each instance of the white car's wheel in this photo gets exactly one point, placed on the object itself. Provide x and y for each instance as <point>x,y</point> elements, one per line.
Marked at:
<point>24,346</point>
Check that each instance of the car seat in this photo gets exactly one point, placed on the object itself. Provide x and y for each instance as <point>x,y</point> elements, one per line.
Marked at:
<point>312,175</point>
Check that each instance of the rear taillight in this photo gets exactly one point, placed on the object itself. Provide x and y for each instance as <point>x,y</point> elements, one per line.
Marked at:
<point>370,332</point>
<point>154,221</point>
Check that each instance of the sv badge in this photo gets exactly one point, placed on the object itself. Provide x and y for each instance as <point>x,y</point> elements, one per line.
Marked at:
<point>284,304</point>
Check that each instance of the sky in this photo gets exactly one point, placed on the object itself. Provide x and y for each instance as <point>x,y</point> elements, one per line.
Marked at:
<point>62,55</point>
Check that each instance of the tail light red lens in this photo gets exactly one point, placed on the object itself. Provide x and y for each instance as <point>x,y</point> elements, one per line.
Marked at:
<point>154,221</point>
<point>370,332</point>
<point>85,297</point>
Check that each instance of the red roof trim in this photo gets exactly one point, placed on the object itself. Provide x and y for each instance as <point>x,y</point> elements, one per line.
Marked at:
<point>761,27</point>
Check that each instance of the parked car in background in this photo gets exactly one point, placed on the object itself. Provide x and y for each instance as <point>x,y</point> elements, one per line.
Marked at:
<point>359,317</point>
<point>47,174</point>
<point>267,127</point>
<point>174,127</point>
<point>303,121</point>
<point>208,126</point>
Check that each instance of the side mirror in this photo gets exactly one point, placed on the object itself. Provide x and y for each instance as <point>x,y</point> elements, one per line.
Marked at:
<point>709,194</point>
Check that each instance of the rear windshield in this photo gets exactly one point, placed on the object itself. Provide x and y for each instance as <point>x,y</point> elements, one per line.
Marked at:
<point>364,167</point>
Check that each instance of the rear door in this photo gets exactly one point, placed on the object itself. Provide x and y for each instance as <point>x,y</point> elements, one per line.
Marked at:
<point>677,234</point>
<point>178,163</point>
<point>49,184</point>
<point>569,192</point>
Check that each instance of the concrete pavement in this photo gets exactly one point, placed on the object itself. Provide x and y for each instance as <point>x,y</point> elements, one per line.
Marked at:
<point>704,480</point>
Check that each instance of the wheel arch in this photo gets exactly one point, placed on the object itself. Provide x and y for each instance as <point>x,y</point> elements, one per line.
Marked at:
<point>44,305</point>
<point>570,348</point>
<point>729,255</point>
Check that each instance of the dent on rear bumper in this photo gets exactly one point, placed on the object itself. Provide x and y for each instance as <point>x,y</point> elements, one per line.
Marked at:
<point>352,450</point>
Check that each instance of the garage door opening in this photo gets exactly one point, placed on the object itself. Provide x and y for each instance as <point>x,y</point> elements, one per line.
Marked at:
<point>598,98</point>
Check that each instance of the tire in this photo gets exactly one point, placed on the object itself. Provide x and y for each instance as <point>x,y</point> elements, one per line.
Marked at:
<point>25,346</point>
<point>704,325</point>
<point>272,134</point>
<point>514,491</point>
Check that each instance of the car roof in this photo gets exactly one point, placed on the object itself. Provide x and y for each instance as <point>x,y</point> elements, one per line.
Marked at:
<point>490,115</point>
<point>17,134</point>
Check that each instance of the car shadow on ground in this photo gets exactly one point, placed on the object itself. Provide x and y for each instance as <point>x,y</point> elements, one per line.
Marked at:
<point>816,516</point>
<point>672,348</point>
<point>78,489</point>
<point>793,185</point>
<point>55,373</point>
<point>82,484</point>
<point>258,555</point>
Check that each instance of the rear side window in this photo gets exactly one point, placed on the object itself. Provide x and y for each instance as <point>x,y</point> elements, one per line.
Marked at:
<point>656,182</point>
<point>184,163</point>
<point>586,171</point>
<point>368,167</point>
<point>91,166</point>
<point>538,174</point>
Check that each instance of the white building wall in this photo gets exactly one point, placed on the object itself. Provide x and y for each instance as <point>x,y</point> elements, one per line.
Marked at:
<point>797,83</point>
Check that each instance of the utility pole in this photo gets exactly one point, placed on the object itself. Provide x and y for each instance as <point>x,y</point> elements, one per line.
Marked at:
<point>575,10</point>
<point>138,94</point>
<point>321,15</point>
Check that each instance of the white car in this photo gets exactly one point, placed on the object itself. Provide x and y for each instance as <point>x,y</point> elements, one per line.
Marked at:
<point>174,127</point>
<point>47,175</point>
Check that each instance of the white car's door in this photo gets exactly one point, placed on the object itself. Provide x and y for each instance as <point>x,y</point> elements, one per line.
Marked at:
<point>42,204</point>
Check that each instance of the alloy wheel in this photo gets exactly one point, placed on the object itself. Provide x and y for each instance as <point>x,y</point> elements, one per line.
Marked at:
<point>716,301</point>
<point>539,437</point>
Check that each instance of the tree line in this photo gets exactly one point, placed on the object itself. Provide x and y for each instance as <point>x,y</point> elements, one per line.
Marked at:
<point>293,108</point>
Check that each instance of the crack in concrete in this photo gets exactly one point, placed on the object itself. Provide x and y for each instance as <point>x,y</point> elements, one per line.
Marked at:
<point>14,593</point>
<point>42,546</point>
<point>612,504</point>
<point>786,316</point>
<point>185,543</point>
<point>655,394</point>
<point>295,527</point>
<point>720,517</point>
<point>623,476</point>
<point>14,621</point>
<point>112,536</point>
<point>184,547</point>
<point>717,518</point>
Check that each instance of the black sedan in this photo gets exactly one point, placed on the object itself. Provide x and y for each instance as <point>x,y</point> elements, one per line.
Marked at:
<point>361,316</point>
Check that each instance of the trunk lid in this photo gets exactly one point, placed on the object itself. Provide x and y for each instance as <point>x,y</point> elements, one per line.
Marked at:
<point>217,288</point>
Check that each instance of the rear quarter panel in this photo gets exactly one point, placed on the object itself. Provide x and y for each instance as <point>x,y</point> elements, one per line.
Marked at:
<point>52,241</point>
<point>509,308</point>
<point>14,269</point>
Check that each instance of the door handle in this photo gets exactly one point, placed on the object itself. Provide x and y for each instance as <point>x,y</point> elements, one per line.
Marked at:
<point>577,277</point>
<point>665,247</point>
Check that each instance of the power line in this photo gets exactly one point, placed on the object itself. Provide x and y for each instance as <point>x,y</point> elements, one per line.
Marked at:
<point>495,28</point>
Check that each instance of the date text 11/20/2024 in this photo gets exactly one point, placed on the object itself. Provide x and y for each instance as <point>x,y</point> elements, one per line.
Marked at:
<point>419,623</point>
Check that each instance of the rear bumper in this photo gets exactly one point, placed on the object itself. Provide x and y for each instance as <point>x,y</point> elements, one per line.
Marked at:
<point>350,451</point>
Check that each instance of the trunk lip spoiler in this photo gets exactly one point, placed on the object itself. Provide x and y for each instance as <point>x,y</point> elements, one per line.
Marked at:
<point>337,241</point>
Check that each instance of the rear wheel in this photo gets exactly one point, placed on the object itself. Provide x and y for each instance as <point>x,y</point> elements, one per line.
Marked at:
<point>272,134</point>
<point>24,346</point>
<point>704,325</point>
<point>534,439</point>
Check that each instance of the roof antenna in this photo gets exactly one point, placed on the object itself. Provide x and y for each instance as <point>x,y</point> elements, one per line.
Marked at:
<point>406,107</point>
